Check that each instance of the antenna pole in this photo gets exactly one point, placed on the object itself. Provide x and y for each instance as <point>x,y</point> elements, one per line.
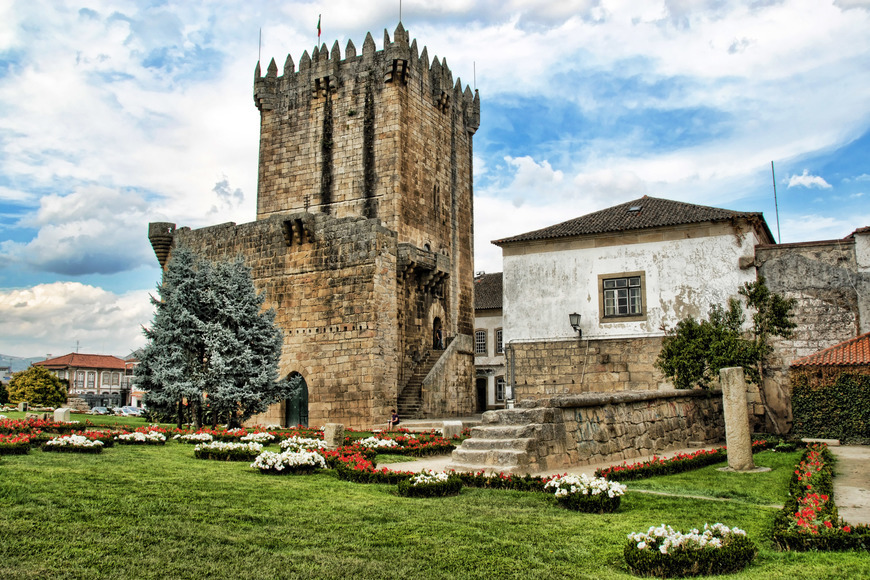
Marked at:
<point>474,78</point>
<point>260,45</point>
<point>775,203</point>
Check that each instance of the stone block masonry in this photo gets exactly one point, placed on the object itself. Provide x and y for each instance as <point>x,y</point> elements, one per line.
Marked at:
<point>363,239</point>
<point>556,432</point>
<point>548,368</point>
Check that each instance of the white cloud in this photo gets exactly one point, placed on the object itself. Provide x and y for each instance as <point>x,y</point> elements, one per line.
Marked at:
<point>94,230</point>
<point>50,318</point>
<point>808,181</point>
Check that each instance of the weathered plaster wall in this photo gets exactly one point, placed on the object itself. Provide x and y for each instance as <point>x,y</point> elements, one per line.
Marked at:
<point>686,270</point>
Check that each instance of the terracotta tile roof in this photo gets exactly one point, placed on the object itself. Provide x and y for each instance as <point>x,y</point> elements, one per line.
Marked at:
<point>853,352</point>
<point>639,214</point>
<point>85,361</point>
<point>487,291</point>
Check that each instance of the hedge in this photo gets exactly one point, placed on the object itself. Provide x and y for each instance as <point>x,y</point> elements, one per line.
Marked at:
<point>809,519</point>
<point>831,406</point>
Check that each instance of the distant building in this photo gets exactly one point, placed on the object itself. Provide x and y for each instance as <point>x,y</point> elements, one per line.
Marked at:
<point>100,379</point>
<point>490,382</point>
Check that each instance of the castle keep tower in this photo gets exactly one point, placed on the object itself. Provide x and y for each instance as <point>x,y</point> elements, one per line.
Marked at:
<point>363,239</point>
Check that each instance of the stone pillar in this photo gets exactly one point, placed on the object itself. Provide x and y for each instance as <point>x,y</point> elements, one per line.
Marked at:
<point>22,407</point>
<point>737,435</point>
<point>451,429</point>
<point>333,434</point>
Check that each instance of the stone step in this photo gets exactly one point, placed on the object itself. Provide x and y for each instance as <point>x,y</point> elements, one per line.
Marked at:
<point>485,458</point>
<point>503,431</point>
<point>522,444</point>
<point>519,416</point>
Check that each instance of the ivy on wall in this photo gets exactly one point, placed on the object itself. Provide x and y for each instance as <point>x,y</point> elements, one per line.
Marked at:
<point>831,404</point>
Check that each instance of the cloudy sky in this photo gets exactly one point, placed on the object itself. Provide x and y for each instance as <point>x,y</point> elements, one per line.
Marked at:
<point>116,113</point>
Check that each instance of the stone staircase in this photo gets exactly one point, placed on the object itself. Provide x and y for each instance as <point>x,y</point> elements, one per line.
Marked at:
<point>508,441</point>
<point>410,400</point>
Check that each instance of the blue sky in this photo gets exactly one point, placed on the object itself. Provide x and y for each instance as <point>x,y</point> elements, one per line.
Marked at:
<point>116,113</point>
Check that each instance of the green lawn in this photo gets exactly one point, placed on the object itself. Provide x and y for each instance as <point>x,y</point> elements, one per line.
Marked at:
<point>156,512</point>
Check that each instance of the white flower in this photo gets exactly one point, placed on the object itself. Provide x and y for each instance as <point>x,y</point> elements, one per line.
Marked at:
<point>582,484</point>
<point>196,437</point>
<point>259,437</point>
<point>224,446</point>
<point>302,443</point>
<point>73,441</point>
<point>139,437</point>
<point>666,540</point>
<point>429,476</point>
<point>271,461</point>
<point>375,443</point>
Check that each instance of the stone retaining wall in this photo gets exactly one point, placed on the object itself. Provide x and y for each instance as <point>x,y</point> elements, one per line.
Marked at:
<point>612,427</point>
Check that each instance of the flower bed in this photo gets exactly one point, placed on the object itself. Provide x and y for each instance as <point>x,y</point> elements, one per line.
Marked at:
<point>262,437</point>
<point>586,494</point>
<point>193,437</point>
<point>107,438</point>
<point>73,444</point>
<point>809,519</point>
<point>666,553</point>
<point>17,444</point>
<point>359,468</point>
<point>289,462</point>
<point>141,438</point>
<point>32,425</point>
<point>223,451</point>
<point>489,480</point>
<point>429,483</point>
<point>378,443</point>
<point>677,464</point>
<point>296,443</point>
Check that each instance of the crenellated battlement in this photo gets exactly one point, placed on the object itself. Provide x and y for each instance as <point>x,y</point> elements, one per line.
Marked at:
<point>325,72</point>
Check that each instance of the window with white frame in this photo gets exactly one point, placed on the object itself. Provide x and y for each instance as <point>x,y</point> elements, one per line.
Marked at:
<point>499,347</point>
<point>92,377</point>
<point>621,296</point>
<point>480,342</point>
<point>499,388</point>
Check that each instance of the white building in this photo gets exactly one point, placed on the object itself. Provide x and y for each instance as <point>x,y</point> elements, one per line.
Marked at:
<point>490,380</point>
<point>629,271</point>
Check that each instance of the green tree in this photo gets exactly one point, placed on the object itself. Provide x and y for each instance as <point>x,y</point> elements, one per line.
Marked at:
<point>210,345</point>
<point>4,395</point>
<point>37,386</point>
<point>695,351</point>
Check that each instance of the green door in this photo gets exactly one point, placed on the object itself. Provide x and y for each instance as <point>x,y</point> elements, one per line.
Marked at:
<point>296,409</point>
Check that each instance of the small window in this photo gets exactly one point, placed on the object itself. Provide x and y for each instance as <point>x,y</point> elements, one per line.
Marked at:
<point>621,297</point>
<point>499,388</point>
<point>499,347</point>
<point>480,342</point>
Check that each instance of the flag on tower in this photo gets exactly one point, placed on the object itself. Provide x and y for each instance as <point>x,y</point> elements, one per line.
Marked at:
<point>318,29</point>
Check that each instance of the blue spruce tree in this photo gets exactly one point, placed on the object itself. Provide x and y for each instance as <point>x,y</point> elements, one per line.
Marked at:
<point>212,353</point>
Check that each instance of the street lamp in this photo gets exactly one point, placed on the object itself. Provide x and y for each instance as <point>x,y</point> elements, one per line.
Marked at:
<point>574,318</point>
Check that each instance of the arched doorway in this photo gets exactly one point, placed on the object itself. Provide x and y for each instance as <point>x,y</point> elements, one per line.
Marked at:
<point>296,407</point>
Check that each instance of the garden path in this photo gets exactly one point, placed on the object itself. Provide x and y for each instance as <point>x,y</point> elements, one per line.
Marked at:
<point>852,482</point>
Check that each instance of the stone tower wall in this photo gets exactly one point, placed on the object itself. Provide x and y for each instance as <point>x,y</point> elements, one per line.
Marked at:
<point>382,134</point>
<point>333,292</point>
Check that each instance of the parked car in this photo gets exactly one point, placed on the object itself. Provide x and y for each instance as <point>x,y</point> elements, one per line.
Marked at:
<point>99,411</point>
<point>131,411</point>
